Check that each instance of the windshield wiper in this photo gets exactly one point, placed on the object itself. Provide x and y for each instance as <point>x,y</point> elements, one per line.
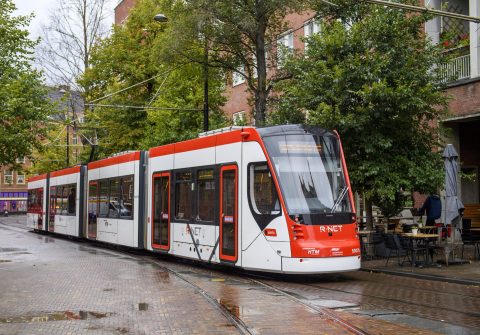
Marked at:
<point>339,199</point>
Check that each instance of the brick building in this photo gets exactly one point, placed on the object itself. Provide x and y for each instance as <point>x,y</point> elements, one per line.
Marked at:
<point>462,41</point>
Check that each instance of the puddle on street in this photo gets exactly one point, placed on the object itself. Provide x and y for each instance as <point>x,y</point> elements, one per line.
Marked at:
<point>4,261</point>
<point>237,310</point>
<point>143,306</point>
<point>54,316</point>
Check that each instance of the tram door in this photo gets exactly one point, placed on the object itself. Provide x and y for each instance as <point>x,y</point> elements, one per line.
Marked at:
<point>161,211</point>
<point>228,213</point>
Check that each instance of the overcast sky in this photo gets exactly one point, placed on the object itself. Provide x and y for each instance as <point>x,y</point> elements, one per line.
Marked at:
<point>42,9</point>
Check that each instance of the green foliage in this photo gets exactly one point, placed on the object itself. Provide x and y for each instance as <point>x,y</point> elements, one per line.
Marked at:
<point>377,81</point>
<point>135,52</point>
<point>23,107</point>
<point>239,34</point>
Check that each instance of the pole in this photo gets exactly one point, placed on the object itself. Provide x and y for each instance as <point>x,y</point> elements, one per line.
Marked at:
<point>205,87</point>
<point>68,144</point>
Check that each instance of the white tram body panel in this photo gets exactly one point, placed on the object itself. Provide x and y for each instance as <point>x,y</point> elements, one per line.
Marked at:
<point>66,201</point>
<point>37,202</point>
<point>114,206</point>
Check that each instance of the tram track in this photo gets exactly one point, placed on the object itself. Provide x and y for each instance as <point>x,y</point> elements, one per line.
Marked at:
<point>330,314</point>
<point>241,326</point>
<point>449,313</point>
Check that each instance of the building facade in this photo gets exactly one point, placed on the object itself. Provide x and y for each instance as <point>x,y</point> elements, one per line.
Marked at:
<point>13,188</point>
<point>461,40</point>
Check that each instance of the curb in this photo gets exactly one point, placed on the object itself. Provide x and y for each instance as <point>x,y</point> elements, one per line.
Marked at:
<point>425,276</point>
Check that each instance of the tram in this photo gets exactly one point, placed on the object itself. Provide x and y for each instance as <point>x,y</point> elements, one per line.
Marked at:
<point>275,199</point>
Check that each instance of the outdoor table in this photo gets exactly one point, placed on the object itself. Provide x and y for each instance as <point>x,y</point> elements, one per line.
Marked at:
<point>415,238</point>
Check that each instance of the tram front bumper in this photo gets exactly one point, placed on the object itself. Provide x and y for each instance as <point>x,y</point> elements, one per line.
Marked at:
<point>320,265</point>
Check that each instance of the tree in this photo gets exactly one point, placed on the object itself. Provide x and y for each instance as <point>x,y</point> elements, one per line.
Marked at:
<point>23,105</point>
<point>372,75</point>
<point>75,27</point>
<point>136,60</point>
<point>239,34</point>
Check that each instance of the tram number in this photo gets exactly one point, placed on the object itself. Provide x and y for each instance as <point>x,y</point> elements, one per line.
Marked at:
<point>355,250</point>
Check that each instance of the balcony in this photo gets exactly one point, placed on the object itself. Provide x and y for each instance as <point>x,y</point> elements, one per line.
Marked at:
<point>457,68</point>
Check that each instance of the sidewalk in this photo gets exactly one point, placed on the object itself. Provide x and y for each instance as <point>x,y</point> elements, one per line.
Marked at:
<point>466,274</point>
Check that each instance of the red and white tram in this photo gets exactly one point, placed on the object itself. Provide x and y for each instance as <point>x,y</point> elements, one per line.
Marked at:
<point>274,199</point>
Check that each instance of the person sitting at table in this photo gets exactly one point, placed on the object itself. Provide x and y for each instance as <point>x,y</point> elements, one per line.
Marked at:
<point>433,207</point>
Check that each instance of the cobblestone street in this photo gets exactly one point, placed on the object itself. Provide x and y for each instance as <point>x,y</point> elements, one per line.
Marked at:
<point>51,285</point>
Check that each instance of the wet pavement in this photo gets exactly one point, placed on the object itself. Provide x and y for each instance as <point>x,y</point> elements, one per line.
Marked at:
<point>51,285</point>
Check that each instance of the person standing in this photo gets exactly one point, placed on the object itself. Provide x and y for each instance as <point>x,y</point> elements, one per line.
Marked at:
<point>433,208</point>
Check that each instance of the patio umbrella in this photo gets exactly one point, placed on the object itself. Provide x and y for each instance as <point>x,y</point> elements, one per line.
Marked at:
<point>453,205</point>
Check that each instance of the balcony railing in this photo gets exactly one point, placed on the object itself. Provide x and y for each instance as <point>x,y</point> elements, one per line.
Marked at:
<point>457,69</point>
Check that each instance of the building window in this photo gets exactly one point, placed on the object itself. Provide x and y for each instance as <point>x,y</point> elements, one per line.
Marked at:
<point>74,139</point>
<point>238,77</point>
<point>284,47</point>
<point>239,118</point>
<point>310,28</point>
<point>21,160</point>
<point>8,177</point>
<point>20,179</point>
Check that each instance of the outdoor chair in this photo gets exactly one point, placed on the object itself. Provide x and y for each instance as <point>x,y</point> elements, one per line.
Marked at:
<point>369,243</point>
<point>413,249</point>
<point>470,238</point>
<point>394,248</point>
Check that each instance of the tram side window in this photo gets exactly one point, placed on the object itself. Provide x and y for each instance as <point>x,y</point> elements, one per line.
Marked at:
<point>66,199</point>
<point>72,199</point>
<point>35,200</point>
<point>92,199</point>
<point>262,192</point>
<point>113,206</point>
<point>126,197</point>
<point>205,195</point>
<point>103,200</point>
<point>183,195</point>
<point>61,201</point>
<point>115,197</point>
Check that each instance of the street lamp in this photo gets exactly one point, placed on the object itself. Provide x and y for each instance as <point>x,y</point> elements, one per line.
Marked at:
<point>162,18</point>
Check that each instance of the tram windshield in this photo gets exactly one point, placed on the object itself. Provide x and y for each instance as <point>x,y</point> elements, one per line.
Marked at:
<point>309,169</point>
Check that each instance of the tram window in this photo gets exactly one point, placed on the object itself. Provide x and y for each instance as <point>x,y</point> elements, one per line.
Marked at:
<point>183,196</point>
<point>92,199</point>
<point>62,199</point>
<point>72,199</point>
<point>103,198</point>
<point>35,200</point>
<point>262,192</point>
<point>114,204</point>
<point>125,205</point>
<point>205,195</point>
